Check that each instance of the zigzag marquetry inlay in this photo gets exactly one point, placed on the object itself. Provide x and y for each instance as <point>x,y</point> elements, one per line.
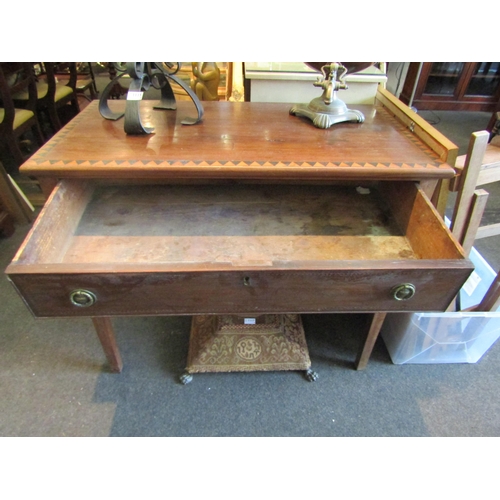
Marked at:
<point>39,157</point>
<point>244,164</point>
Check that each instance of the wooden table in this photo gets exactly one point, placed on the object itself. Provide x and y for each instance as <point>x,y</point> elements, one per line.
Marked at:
<point>251,211</point>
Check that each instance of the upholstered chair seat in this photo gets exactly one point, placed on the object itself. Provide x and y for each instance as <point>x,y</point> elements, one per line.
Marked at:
<point>42,89</point>
<point>21,116</point>
<point>15,120</point>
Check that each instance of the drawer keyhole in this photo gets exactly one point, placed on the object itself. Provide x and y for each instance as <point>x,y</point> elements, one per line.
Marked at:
<point>82,298</point>
<point>403,292</point>
<point>246,281</point>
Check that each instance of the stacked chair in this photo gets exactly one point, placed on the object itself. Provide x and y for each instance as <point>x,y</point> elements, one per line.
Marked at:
<point>86,81</point>
<point>53,96</point>
<point>38,103</point>
<point>16,120</point>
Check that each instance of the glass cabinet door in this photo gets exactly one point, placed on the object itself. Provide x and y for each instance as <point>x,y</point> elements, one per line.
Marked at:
<point>484,80</point>
<point>444,78</point>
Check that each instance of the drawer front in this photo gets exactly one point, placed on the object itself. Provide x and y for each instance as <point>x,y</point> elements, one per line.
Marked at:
<point>242,291</point>
<point>166,250</point>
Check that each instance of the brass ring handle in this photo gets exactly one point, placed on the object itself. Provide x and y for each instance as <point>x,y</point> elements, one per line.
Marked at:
<point>82,298</point>
<point>404,291</point>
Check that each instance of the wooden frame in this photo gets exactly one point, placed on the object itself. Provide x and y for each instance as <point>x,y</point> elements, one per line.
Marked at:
<point>440,144</point>
<point>482,163</point>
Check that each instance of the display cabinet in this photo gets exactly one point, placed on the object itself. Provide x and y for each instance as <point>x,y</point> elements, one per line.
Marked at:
<point>468,86</point>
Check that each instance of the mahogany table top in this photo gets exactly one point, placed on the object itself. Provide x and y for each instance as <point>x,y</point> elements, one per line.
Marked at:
<point>236,141</point>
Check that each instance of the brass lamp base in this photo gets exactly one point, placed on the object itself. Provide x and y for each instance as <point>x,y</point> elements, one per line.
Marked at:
<point>328,109</point>
<point>325,115</point>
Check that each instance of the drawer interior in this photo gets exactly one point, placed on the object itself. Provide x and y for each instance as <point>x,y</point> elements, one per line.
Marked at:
<point>235,225</point>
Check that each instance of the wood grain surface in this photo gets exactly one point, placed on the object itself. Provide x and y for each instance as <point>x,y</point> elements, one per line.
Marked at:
<point>237,141</point>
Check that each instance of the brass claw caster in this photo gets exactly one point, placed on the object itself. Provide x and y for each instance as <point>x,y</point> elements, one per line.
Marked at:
<point>186,378</point>
<point>311,375</point>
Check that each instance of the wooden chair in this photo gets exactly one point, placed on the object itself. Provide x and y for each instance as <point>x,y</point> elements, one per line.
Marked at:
<point>52,95</point>
<point>483,159</point>
<point>86,81</point>
<point>15,122</point>
<point>491,300</point>
<point>479,166</point>
<point>494,123</point>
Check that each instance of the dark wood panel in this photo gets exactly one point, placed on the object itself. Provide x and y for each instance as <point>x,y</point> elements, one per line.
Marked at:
<point>246,291</point>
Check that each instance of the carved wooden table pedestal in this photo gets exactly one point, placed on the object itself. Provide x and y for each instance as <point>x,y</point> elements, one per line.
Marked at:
<point>229,343</point>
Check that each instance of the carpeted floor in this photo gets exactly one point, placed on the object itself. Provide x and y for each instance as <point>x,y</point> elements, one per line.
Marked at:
<point>54,380</point>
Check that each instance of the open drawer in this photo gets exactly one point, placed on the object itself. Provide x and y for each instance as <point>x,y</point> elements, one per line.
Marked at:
<point>104,250</point>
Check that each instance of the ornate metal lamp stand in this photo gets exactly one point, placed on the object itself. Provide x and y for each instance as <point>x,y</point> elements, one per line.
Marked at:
<point>328,109</point>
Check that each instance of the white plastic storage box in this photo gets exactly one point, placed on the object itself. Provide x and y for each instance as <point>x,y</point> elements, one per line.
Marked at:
<point>477,285</point>
<point>454,337</point>
<point>440,337</point>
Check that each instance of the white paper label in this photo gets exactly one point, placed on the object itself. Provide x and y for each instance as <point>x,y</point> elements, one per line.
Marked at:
<point>249,321</point>
<point>471,284</point>
<point>134,95</point>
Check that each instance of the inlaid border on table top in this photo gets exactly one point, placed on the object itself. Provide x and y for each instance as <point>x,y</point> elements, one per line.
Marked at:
<point>39,159</point>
